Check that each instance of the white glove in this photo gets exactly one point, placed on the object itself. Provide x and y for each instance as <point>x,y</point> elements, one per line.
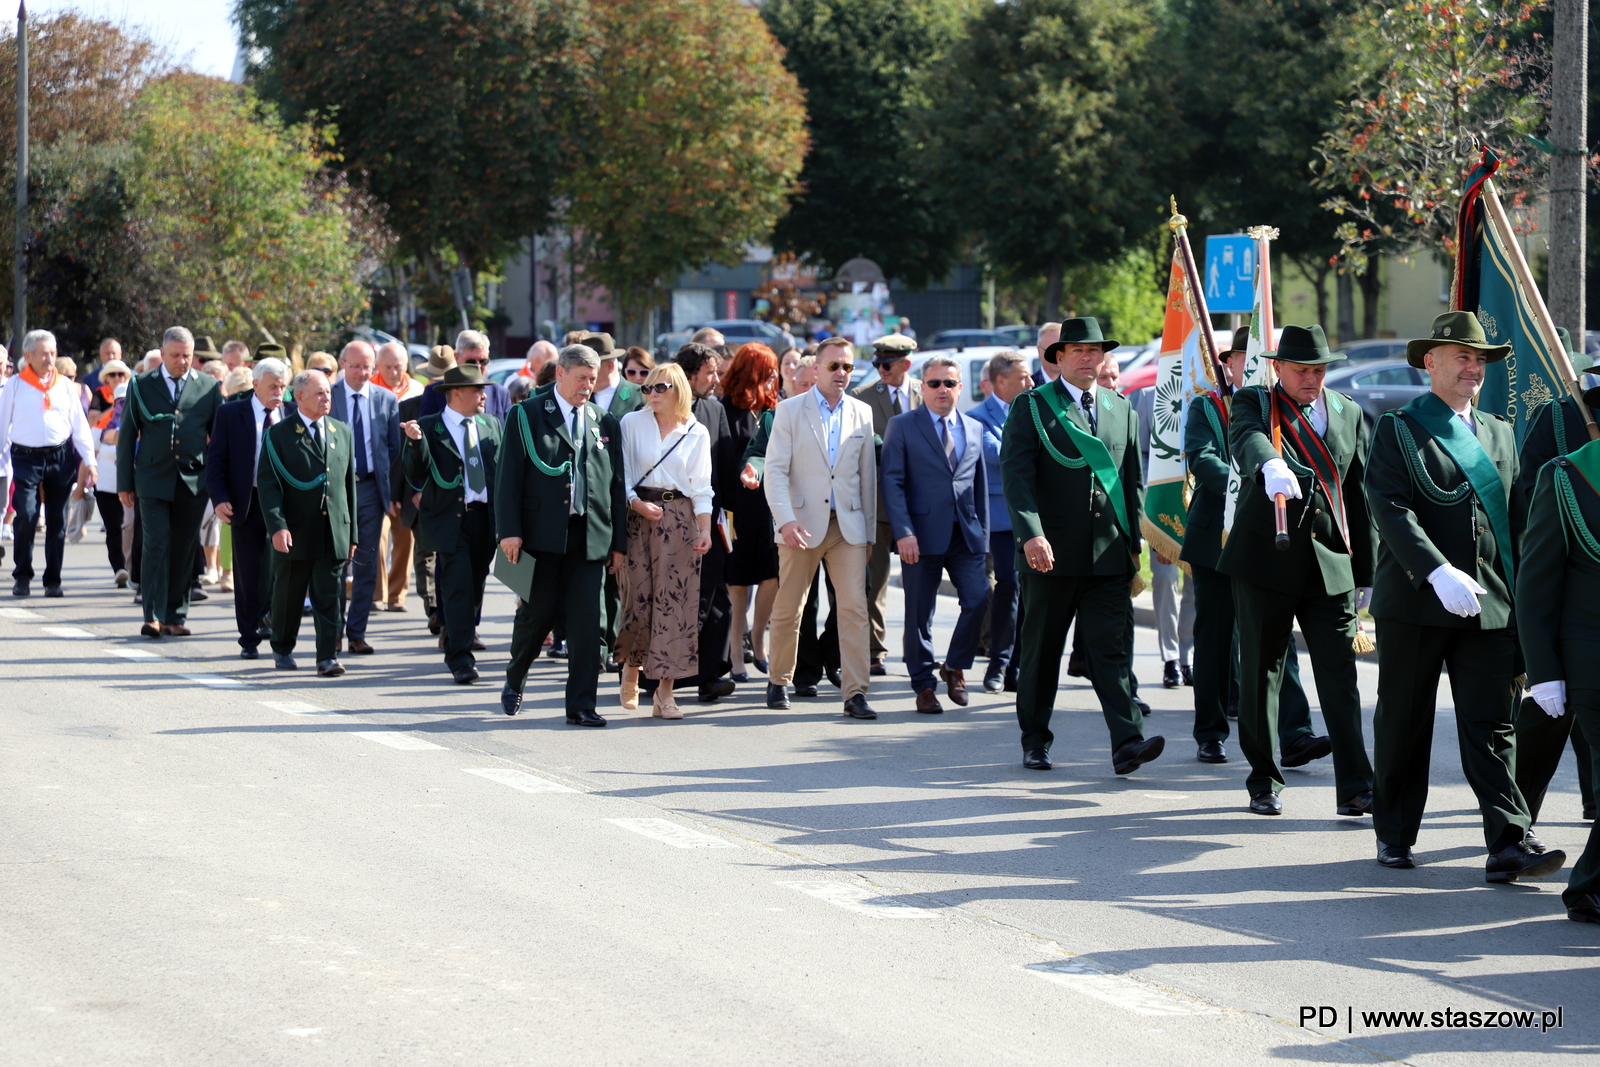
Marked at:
<point>1551,698</point>
<point>1278,478</point>
<point>1457,590</point>
<point>1363,597</point>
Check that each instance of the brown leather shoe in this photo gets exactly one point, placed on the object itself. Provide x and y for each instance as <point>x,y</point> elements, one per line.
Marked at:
<point>928,703</point>
<point>359,646</point>
<point>174,630</point>
<point>955,685</point>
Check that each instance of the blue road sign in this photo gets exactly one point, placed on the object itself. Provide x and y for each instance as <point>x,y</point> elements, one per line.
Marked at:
<point>1230,273</point>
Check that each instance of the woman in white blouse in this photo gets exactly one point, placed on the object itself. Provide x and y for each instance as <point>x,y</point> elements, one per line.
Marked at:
<point>666,464</point>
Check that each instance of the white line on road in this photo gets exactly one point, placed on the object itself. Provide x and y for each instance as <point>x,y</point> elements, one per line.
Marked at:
<point>396,739</point>
<point>21,614</point>
<point>214,681</point>
<point>66,631</point>
<point>135,653</point>
<point>1118,989</point>
<point>528,783</point>
<point>859,898</point>
<point>672,833</point>
<point>296,707</point>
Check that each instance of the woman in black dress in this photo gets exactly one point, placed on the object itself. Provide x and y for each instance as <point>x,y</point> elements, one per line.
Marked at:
<point>749,393</point>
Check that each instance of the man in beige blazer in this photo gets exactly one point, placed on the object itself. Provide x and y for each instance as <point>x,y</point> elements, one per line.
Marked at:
<point>822,487</point>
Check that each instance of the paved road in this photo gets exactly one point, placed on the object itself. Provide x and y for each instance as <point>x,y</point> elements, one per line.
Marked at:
<point>206,861</point>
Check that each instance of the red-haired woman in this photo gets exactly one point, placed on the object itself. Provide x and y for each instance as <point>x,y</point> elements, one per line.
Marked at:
<point>749,393</point>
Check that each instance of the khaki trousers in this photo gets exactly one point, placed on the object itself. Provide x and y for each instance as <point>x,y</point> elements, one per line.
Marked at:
<point>847,567</point>
<point>394,572</point>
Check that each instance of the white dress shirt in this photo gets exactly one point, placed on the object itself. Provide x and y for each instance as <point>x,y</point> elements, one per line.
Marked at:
<point>24,421</point>
<point>258,411</point>
<point>174,386</point>
<point>603,398</point>
<point>1318,414</point>
<point>365,393</point>
<point>317,426</point>
<point>900,393</point>
<point>456,423</point>
<point>687,469</point>
<point>577,435</point>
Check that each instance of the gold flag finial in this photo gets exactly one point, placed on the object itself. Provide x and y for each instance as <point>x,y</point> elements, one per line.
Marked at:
<point>1263,233</point>
<point>1177,221</point>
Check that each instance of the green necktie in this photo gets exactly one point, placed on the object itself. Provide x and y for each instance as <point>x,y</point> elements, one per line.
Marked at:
<point>475,481</point>
<point>579,496</point>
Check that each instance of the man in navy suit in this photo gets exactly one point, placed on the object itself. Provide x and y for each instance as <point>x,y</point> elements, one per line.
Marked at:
<point>1008,379</point>
<point>935,491</point>
<point>373,415</point>
<point>232,457</point>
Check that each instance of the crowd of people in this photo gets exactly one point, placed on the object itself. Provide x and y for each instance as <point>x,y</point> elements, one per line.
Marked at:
<point>680,523</point>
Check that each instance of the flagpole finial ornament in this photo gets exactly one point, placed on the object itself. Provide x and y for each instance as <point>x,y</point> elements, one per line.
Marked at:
<point>1262,233</point>
<point>1177,221</point>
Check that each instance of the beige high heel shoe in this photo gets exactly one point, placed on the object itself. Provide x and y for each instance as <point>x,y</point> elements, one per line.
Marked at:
<point>630,687</point>
<point>667,707</point>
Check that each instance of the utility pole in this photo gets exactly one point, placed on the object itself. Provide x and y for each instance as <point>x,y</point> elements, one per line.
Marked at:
<point>19,279</point>
<point>1570,138</point>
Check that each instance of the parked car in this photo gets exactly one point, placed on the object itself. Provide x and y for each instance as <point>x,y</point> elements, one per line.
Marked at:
<point>1373,348</point>
<point>1378,386</point>
<point>499,370</point>
<point>742,331</point>
<point>1021,336</point>
<point>379,338</point>
<point>964,339</point>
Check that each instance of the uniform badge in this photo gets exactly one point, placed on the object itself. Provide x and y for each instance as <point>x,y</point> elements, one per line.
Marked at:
<point>549,405</point>
<point>472,461</point>
<point>300,429</point>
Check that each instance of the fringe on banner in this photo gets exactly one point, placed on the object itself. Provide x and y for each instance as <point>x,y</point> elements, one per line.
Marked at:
<point>1159,540</point>
<point>1362,642</point>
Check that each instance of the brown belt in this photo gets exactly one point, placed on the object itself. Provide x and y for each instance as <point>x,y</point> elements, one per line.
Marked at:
<point>658,496</point>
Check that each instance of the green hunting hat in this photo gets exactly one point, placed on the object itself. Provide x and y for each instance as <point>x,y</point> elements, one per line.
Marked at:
<point>1084,331</point>
<point>271,350</point>
<point>205,351</point>
<point>602,344</point>
<point>1305,344</point>
<point>892,348</point>
<point>1455,328</point>
<point>463,376</point>
<point>1241,340</point>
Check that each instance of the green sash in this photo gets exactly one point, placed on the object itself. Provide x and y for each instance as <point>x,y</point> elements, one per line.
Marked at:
<point>1463,446</point>
<point>1091,448</point>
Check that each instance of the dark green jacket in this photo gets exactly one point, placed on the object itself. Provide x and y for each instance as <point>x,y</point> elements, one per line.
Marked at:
<point>439,515</point>
<point>626,399</point>
<point>160,445</point>
<point>1545,440</point>
<point>1317,561</point>
<point>755,453</point>
<point>321,521</point>
<point>1417,534</point>
<point>534,506</point>
<point>1067,505</point>
<point>1205,451</point>
<point>1558,587</point>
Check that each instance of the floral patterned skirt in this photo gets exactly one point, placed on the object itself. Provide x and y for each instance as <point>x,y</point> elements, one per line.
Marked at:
<point>661,594</point>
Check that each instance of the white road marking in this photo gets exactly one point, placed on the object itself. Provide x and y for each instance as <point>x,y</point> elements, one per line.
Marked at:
<point>66,631</point>
<point>296,707</point>
<point>528,783</point>
<point>214,681</point>
<point>135,653</point>
<point>21,614</point>
<point>672,833</point>
<point>1118,989</point>
<point>859,898</point>
<point>396,739</point>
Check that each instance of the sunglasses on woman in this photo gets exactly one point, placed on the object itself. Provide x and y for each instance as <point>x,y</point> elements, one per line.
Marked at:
<point>942,383</point>
<point>637,372</point>
<point>659,387</point>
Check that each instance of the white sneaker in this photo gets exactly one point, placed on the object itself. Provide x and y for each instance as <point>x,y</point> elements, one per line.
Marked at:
<point>122,579</point>
<point>6,533</point>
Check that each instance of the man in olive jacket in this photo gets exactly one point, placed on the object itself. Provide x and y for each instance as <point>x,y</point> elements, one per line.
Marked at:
<point>306,481</point>
<point>453,456</point>
<point>1440,483</point>
<point>1074,485</point>
<point>161,460</point>
<point>559,497</point>
<point>1315,575</point>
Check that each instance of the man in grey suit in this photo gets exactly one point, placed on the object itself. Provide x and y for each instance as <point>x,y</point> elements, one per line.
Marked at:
<point>935,489</point>
<point>373,415</point>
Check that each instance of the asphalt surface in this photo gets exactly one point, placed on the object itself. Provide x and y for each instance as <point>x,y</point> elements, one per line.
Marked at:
<point>208,861</point>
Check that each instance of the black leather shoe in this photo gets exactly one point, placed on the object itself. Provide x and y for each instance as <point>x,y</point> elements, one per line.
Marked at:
<point>53,591</point>
<point>1305,748</point>
<point>465,676</point>
<point>1585,910</point>
<point>1144,709</point>
<point>722,687</point>
<point>740,677</point>
<point>1011,684</point>
<point>778,697</point>
<point>479,646</point>
<point>1360,804</point>
<point>1211,752</point>
<point>1531,842</point>
<point>835,679</point>
<point>994,684</point>
<point>329,668</point>
<point>196,594</point>
<point>1233,709</point>
<point>1131,755</point>
<point>584,718</point>
<point>806,690</point>
<point>435,624</point>
<point>1397,856</point>
<point>19,588</point>
<point>510,700</point>
<point>1266,804</point>
<point>1188,674</point>
<point>150,629</point>
<point>1036,759</point>
<point>878,670</point>
<point>1170,678</point>
<point>249,653</point>
<point>1515,861</point>
<point>284,663</point>
<point>858,708</point>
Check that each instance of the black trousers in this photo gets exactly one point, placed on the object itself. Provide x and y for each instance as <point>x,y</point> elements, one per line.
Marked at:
<point>1584,706</point>
<point>292,579</point>
<point>51,472</point>
<point>1216,666</point>
<point>371,501</point>
<point>171,540</point>
<point>1541,741</point>
<point>716,614</point>
<point>1481,665</point>
<point>462,572</point>
<point>110,507</point>
<point>817,653</point>
<point>1104,612</point>
<point>565,585</point>
<point>252,572</point>
<point>1003,608</point>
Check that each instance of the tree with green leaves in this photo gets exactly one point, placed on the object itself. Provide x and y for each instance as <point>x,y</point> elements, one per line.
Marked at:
<point>861,63</point>
<point>697,136</point>
<point>1045,133</point>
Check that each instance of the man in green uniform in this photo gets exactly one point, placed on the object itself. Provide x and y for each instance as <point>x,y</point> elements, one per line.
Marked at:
<point>1205,451</point>
<point>1558,619</point>
<point>1069,458</point>
<point>1313,576</point>
<point>161,458</point>
<point>559,497</point>
<point>1555,429</point>
<point>306,481</point>
<point>1440,482</point>
<point>452,455</point>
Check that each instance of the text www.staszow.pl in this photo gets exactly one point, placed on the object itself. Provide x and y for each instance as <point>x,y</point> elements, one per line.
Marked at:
<point>1324,1016</point>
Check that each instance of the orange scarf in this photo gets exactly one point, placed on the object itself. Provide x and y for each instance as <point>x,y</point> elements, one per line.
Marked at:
<point>108,394</point>
<point>44,387</point>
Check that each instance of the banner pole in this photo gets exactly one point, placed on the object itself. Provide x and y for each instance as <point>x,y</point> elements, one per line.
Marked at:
<point>1196,300</point>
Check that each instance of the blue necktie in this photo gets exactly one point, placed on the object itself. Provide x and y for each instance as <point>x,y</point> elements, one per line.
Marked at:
<point>358,424</point>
